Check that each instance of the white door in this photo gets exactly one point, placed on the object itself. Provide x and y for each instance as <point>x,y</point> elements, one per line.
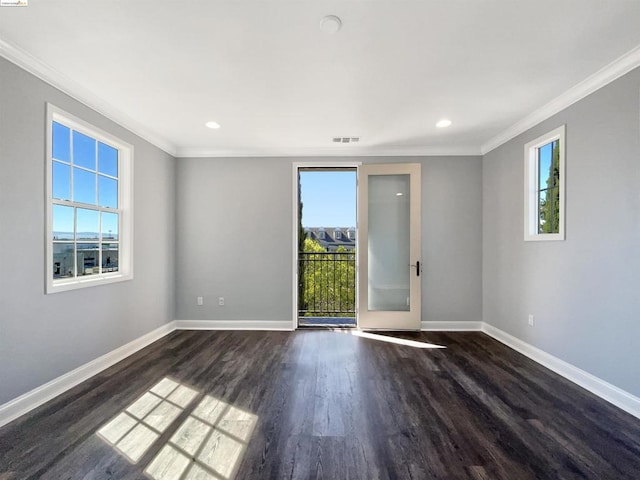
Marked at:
<point>389,250</point>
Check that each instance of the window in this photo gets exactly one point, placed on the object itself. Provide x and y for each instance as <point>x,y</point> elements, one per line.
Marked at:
<point>544,187</point>
<point>89,213</point>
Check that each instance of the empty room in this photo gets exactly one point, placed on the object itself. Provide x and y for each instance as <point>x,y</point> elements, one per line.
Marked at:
<point>358,239</point>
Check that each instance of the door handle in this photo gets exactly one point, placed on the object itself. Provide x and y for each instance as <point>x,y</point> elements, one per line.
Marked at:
<point>417,265</point>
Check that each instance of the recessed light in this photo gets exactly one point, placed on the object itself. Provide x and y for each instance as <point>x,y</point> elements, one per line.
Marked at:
<point>399,194</point>
<point>444,123</point>
<point>213,125</point>
<point>330,24</point>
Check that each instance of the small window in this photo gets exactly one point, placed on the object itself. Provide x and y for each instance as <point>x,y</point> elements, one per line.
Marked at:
<point>544,187</point>
<point>89,212</point>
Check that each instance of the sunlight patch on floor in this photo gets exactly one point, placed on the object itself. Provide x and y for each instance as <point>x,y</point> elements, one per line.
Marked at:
<point>208,445</point>
<point>133,431</point>
<point>388,339</point>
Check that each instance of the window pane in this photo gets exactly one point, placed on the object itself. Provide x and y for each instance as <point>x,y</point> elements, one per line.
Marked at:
<point>62,223</point>
<point>88,259</point>
<point>549,209</point>
<point>107,192</point>
<point>109,226</point>
<point>389,237</point>
<point>107,160</point>
<point>63,260</point>
<point>84,151</point>
<point>84,186</point>
<point>109,257</point>
<point>61,142</point>
<point>61,181</point>
<point>87,224</point>
<point>544,166</point>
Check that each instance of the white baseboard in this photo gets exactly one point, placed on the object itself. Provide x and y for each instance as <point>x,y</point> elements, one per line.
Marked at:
<point>450,326</point>
<point>36,397</point>
<point>234,325</point>
<point>618,397</point>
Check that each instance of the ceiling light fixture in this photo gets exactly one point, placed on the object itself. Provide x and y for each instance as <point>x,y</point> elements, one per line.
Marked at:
<point>399,194</point>
<point>444,123</point>
<point>330,24</point>
<point>213,125</point>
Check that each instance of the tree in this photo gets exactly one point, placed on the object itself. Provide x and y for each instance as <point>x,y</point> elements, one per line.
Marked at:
<point>550,205</point>
<point>328,280</point>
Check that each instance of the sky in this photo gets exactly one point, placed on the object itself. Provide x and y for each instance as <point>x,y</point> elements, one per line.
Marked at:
<point>329,198</point>
<point>545,164</point>
<point>92,165</point>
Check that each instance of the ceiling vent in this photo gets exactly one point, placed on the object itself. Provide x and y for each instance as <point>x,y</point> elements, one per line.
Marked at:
<point>346,139</point>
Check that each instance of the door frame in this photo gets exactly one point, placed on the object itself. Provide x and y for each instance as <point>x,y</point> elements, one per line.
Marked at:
<point>391,319</point>
<point>294,274</point>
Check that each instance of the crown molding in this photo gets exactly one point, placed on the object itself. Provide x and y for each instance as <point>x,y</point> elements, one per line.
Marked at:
<point>602,77</point>
<point>63,83</point>
<point>353,151</point>
<point>53,77</point>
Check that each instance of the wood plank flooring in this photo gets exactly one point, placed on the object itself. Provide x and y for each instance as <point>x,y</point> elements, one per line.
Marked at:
<point>315,404</point>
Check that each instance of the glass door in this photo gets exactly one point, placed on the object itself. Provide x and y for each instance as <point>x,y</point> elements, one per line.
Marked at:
<point>389,247</point>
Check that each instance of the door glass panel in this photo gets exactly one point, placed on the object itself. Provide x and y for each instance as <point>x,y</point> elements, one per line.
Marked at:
<point>388,243</point>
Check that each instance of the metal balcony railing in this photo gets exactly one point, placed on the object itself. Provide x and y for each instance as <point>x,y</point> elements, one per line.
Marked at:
<point>327,284</point>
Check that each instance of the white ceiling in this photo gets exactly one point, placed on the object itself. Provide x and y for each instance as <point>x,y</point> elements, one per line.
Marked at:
<point>279,85</point>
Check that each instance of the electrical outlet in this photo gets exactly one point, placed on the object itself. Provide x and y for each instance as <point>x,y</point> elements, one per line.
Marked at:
<point>531,320</point>
<point>221,301</point>
<point>200,301</point>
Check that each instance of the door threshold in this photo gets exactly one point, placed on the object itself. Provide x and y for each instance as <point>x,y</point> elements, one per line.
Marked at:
<point>326,326</point>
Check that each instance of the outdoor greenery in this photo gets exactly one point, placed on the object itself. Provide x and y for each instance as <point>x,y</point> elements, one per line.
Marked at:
<point>327,281</point>
<point>550,203</point>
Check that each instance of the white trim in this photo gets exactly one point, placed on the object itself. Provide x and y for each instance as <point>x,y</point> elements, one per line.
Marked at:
<point>270,325</point>
<point>48,74</point>
<point>391,151</point>
<point>42,394</point>
<point>294,249</point>
<point>399,319</point>
<point>296,166</point>
<point>124,210</point>
<point>83,95</point>
<point>39,395</point>
<point>531,187</point>
<point>612,394</point>
<point>451,326</point>
<point>601,78</point>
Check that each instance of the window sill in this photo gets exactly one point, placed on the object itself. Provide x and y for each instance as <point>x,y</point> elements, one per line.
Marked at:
<point>547,237</point>
<point>56,286</point>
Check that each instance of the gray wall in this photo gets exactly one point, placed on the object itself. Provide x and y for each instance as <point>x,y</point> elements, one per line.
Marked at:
<point>235,224</point>
<point>583,291</point>
<point>44,336</point>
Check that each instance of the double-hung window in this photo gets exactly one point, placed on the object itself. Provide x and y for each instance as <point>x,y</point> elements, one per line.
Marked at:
<point>89,211</point>
<point>544,187</point>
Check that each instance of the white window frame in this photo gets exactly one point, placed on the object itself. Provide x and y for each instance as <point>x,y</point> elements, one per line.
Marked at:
<point>125,205</point>
<point>531,207</point>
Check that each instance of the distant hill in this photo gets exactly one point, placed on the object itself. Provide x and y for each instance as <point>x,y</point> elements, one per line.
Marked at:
<point>69,236</point>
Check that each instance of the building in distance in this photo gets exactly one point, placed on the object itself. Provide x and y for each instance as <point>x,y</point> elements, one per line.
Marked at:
<point>332,238</point>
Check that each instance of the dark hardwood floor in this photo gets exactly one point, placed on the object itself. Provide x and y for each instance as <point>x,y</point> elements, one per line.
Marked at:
<point>323,404</point>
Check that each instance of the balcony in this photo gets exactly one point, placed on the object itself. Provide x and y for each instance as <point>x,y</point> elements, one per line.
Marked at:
<point>327,288</point>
